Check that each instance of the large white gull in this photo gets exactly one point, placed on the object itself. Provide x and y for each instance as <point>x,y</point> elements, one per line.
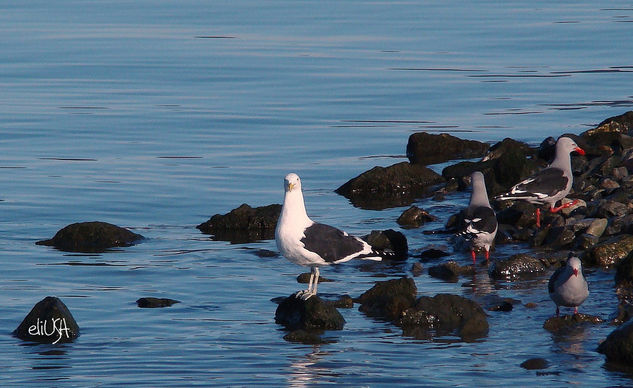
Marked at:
<point>550,185</point>
<point>308,243</point>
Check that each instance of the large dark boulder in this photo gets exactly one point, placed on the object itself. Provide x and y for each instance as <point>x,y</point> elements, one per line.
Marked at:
<point>396,185</point>
<point>609,252</point>
<point>618,347</point>
<point>444,314</point>
<point>243,224</point>
<point>516,266</point>
<point>507,163</point>
<point>425,148</point>
<point>617,124</point>
<point>388,299</point>
<point>91,237</point>
<point>49,322</point>
<point>311,314</point>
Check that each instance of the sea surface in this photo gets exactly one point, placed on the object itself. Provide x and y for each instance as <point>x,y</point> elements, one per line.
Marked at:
<point>155,115</point>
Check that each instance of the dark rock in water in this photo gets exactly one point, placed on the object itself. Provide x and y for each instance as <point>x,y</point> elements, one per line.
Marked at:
<point>508,163</point>
<point>389,241</point>
<point>609,252</point>
<point>424,148</point>
<point>396,185</point>
<point>342,302</point>
<point>305,278</point>
<point>616,124</point>
<point>155,302</point>
<point>625,308</point>
<point>618,347</point>
<point>624,272</point>
<point>91,237</point>
<point>535,363</point>
<point>312,314</point>
<point>564,323</point>
<point>414,217</point>
<point>417,269</point>
<point>520,214</point>
<point>49,322</point>
<point>450,271</point>
<point>444,314</point>
<point>307,337</point>
<point>433,253</point>
<point>243,224</point>
<point>516,266</point>
<point>265,253</point>
<point>496,303</point>
<point>388,299</point>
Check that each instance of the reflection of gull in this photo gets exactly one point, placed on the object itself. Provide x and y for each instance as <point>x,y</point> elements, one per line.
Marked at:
<point>304,370</point>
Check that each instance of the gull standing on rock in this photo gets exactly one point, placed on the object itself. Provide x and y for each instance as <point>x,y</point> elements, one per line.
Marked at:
<point>551,184</point>
<point>480,219</point>
<point>308,243</point>
<point>568,286</point>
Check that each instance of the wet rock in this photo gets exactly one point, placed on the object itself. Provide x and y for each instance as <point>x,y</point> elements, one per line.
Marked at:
<point>610,208</point>
<point>585,241</point>
<point>579,204</point>
<point>396,185</point>
<point>618,347</point>
<point>91,237</point>
<point>450,271</point>
<point>424,148</point>
<point>609,184</point>
<point>516,266</point>
<point>433,253</point>
<point>304,278</point>
<point>312,314</point>
<point>417,269</point>
<point>597,227</point>
<point>559,237</point>
<point>508,163</point>
<point>609,252</point>
<point>547,149</point>
<point>535,363</point>
<point>414,217</point>
<point>564,323</point>
<point>389,241</point>
<point>625,310</point>
<point>155,302</point>
<point>342,302</point>
<point>243,224</point>
<point>444,314</point>
<point>617,124</point>
<point>388,299</point>
<point>49,322</point>
<point>497,303</point>
<point>624,272</point>
<point>520,214</point>
<point>307,337</point>
<point>619,173</point>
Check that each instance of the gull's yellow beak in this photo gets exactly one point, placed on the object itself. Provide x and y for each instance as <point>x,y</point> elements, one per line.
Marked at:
<point>291,186</point>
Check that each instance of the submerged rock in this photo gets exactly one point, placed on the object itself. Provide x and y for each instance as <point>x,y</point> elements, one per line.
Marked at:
<point>444,314</point>
<point>243,224</point>
<point>388,299</point>
<point>535,363</point>
<point>414,217</point>
<point>312,314</point>
<point>450,271</point>
<point>516,266</point>
<point>91,237</point>
<point>424,148</point>
<point>396,185</point>
<point>150,302</point>
<point>563,323</point>
<point>49,322</point>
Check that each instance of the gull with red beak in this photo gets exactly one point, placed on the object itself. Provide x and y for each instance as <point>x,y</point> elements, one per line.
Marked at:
<point>568,286</point>
<point>550,185</point>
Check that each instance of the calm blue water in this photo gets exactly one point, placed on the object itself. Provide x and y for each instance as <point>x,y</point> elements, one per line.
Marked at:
<point>155,115</point>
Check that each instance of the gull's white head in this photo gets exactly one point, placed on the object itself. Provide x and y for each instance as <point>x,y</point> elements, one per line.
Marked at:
<point>565,144</point>
<point>575,264</point>
<point>292,182</point>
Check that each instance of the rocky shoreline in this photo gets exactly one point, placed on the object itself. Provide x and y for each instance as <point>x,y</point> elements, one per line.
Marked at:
<point>599,229</point>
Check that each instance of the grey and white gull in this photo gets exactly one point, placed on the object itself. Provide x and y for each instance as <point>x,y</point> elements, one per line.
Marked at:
<point>549,185</point>
<point>568,286</point>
